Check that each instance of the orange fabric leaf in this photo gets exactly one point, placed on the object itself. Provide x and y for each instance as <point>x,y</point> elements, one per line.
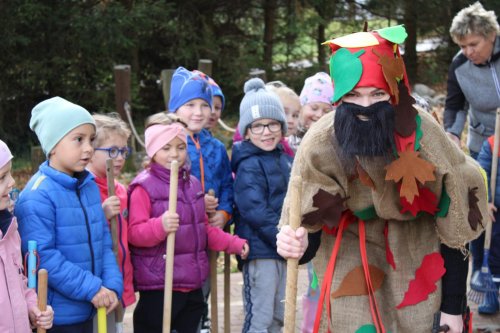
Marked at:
<point>393,69</point>
<point>354,283</point>
<point>410,167</point>
<point>426,276</point>
<point>364,177</point>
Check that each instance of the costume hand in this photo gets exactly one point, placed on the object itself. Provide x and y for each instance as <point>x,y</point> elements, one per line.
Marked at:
<point>453,321</point>
<point>491,211</point>
<point>211,204</point>
<point>41,319</point>
<point>105,298</point>
<point>218,220</point>
<point>111,207</point>
<point>292,244</point>
<point>170,222</point>
<point>245,251</point>
<point>455,139</point>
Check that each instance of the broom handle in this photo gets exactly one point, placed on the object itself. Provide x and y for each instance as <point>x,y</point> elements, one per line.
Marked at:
<point>102,324</point>
<point>43,278</point>
<point>214,316</point>
<point>169,262</point>
<point>110,178</point>
<point>292,264</point>
<point>493,178</point>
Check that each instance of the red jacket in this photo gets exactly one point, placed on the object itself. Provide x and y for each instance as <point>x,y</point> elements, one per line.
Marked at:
<point>124,262</point>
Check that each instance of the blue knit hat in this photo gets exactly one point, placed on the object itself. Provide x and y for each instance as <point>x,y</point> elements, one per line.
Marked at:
<point>53,118</point>
<point>216,90</point>
<point>258,103</point>
<point>186,86</point>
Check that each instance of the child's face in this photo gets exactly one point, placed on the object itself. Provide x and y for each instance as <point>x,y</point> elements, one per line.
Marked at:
<point>195,114</point>
<point>74,151</point>
<point>215,114</point>
<point>6,185</point>
<point>174,150</point>
<point>97,164</point>
<point>264,133</point>
<point>311,113</point>
<point>292,112</point>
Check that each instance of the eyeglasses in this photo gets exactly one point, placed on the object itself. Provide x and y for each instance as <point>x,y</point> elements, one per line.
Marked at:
<point>114,151</point>
<point>259,128</point>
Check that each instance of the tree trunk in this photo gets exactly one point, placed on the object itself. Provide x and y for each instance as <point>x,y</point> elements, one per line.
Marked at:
<point>269,21</point>
<point>321,48</point>
<point>410,21</point>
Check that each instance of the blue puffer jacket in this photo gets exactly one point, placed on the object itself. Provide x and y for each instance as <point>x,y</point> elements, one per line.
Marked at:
<point>259,190</point>
<point>63,215</point>
<point>216,167</point>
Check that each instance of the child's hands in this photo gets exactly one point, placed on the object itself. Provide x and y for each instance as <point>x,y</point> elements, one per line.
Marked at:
<point>41,319</point>
<point>245,251</point>
<point>491,211</point>
<point>170,222</point>
<point>218,220</point>
<point>105,298</point>
<point>292,244</point>
<point>111,207</point>
<point>211,204</point>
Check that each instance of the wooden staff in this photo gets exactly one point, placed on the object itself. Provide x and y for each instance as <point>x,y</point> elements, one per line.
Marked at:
<point>114,232</point>
<point>214,319</point>
<point>227,289</point>
<point>292,264</point>
<point>43,279</point>
<point>169,262</point>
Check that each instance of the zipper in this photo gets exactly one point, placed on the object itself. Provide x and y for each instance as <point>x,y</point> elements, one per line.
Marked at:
<point>88,230</point>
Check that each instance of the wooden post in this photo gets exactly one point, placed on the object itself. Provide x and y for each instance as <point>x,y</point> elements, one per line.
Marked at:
<point>169,262</point>
<point>292,264</point>
<point>205,66</point>
<point>122,92</point>
<point>43,278</point>
<point>166,80</point>
<point>37,157</point>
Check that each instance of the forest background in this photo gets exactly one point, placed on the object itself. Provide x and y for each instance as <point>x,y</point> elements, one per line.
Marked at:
<point>68,48</point>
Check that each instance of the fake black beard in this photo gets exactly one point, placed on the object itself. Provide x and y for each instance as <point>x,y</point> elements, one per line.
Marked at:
<point>373,137</point>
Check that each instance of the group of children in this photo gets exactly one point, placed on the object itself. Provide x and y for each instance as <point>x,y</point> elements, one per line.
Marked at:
<point>66,205</point>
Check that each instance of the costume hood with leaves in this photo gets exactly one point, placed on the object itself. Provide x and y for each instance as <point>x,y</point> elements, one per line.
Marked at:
<point>384,219</point>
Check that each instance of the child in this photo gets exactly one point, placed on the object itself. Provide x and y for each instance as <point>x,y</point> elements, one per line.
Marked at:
<point>218,102</point>
<point>18,303</point>
<point>191,100</point>
<point>262,172</point>
<point>112,135</point>
<point>150,223</point>
<point>60,208</point>
<point>315,97</point>
<point>291,105</point>
<point>485,160</point>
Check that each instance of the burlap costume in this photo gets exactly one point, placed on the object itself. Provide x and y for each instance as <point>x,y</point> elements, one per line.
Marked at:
<point>410,238</point>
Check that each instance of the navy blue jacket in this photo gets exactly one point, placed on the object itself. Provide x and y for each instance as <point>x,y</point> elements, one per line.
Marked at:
<point>259,190</point>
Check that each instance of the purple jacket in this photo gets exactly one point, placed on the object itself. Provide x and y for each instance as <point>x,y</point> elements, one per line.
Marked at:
<point>190,260</point>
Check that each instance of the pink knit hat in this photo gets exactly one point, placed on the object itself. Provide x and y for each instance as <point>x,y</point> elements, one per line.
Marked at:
<point>317,88</point>
<point>5,154</point>
<point>157,136</point>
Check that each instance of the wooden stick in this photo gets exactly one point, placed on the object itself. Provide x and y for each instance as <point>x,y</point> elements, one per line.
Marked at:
<point>110,178</point>
<point>227,289</point>
<point>43,279</point>
<point>214,313</point>
<point>102,324</point>
<point>493,179</point>
<point>292,264</point>
<point>169,262</point>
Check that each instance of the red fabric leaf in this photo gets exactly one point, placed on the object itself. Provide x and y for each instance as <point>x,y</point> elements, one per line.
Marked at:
<point>388,253</point>
<point>426,276</point>
<point>425,201</point>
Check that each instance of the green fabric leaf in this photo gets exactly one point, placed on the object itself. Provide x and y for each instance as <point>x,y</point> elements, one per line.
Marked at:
<point>369,328</point>
<point>346,69</point>
<point>444,203</point>
<point>366,214</point>
<point>314,281</point>
<point>396,34</point>
<point>418,132</point>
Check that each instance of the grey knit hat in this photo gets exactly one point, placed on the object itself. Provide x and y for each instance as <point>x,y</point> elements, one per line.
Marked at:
<point>258,103</point>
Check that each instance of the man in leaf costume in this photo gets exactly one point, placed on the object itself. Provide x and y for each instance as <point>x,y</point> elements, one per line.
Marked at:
<point>389,202</point>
